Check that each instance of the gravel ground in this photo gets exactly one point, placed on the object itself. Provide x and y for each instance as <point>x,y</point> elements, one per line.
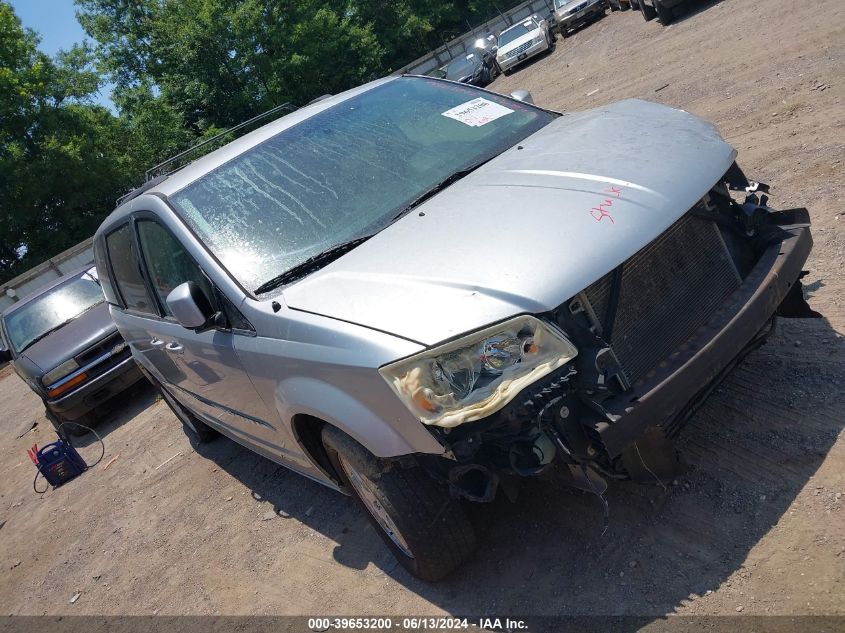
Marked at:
<point>756,525</point>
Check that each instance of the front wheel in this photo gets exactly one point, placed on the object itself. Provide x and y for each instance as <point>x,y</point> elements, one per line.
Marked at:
<point>648,12</point>
<point>427,531</point>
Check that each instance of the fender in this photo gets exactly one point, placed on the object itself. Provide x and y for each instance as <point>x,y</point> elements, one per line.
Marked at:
<point>297,395</point>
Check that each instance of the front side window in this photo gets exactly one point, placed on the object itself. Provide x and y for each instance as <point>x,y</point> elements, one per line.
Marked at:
<point>345,172</point>
<point>127,271</point>
<point>52,310</point>
<point>168,263</point>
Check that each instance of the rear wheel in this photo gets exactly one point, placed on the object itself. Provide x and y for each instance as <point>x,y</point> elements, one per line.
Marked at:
<point>427,531</point>
<point>648,11</point>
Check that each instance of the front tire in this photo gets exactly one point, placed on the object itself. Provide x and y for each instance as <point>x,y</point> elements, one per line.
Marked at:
<point>648,12</point>
<point>427,531</point>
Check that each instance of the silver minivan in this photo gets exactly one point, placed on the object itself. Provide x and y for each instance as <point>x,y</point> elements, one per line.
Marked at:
<point>419,292</point>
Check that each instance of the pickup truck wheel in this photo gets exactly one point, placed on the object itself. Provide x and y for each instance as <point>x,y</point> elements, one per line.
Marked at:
<point>427,531</point>
<point>648,12</point>
<point>664,13</point>
<point>192,425</point>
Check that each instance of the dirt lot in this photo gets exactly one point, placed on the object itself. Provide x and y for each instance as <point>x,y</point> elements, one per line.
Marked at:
<point>756,526</point>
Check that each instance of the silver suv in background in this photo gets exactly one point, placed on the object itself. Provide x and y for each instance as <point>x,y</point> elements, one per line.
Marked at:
<point>570,14</point>
<point>418,292</point>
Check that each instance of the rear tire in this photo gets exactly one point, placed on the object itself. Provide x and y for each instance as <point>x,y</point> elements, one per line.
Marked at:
<point>191,424</point>
<point>648,12</point>
<point>427,531</point>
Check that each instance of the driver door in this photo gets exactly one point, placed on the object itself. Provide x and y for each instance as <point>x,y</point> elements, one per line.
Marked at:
<point>209,377</point>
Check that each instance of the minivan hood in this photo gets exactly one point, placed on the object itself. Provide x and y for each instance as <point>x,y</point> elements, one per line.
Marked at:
<point>72,339</point>
<point>528,230</point>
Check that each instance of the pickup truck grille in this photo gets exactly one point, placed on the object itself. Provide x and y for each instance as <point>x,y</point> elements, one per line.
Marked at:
<point>100,357</point>
<point>669,289</point>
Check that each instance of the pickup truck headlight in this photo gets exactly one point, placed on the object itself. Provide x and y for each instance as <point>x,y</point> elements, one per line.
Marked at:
<point>67,367</point>
<point>476,375</point>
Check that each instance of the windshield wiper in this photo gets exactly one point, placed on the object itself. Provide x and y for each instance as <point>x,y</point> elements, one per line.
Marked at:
<point>312,263</point>
<point>440,186</point>
<point>320,259</point>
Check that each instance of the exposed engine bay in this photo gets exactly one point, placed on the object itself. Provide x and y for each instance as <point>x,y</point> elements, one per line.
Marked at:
<point>634,327</point>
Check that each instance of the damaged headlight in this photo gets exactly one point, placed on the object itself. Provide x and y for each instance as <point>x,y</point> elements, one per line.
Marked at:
<point>475,376</point>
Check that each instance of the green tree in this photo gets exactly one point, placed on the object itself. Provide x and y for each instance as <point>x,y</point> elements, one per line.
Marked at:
<point>219,62</point>
<point>61,158</point>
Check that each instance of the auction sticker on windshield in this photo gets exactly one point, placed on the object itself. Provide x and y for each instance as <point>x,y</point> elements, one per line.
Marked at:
<point>477,112</point>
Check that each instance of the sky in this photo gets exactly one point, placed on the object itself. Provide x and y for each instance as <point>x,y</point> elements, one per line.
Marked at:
<point>56,24</point>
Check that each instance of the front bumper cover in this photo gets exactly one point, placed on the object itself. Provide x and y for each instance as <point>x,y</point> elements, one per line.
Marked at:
<point>97,391</point>
<point>668,389</point>
<point>536,49</point>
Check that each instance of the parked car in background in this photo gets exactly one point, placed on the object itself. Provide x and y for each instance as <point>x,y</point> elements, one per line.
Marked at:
<point>478,69</point>
<point>63,343</point>
<point>523,41</point>
<point>418,291</point>
<point>489,44</point>
<point>571,14</point>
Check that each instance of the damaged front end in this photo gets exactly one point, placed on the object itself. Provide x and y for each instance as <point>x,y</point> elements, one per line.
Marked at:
<point>653,337</point>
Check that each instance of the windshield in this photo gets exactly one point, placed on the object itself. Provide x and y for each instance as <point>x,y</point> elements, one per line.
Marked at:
<point>52,310</point>
<point>462,67</point>
<point>561,3</point>
<point>515,32</point>
<point>346,172</point>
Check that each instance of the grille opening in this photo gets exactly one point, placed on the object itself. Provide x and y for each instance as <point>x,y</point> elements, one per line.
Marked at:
<point>669,289</point>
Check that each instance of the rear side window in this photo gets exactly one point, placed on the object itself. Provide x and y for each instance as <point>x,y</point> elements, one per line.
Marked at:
<point>168,263</point>
<point>127,271</point>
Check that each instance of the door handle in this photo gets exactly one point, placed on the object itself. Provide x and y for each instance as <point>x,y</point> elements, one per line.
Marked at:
<point>174,347</point>
<point>156,342</point>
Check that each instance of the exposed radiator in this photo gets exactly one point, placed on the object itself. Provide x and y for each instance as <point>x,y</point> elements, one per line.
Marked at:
<point>669,289</point>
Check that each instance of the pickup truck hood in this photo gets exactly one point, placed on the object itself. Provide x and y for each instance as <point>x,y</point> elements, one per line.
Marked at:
<point>528,230</point>
<point>71,339</point>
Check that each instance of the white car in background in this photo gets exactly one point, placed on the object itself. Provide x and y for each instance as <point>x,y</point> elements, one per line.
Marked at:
<point>522,41</point>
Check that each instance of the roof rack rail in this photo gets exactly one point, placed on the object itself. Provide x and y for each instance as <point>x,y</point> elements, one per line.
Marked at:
<point>139,190</point>
<point>156,172</point>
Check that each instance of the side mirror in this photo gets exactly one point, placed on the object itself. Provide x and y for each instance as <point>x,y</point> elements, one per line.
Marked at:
<point>519,95</point>
<point>5,355</point>
<point>192,308</point>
